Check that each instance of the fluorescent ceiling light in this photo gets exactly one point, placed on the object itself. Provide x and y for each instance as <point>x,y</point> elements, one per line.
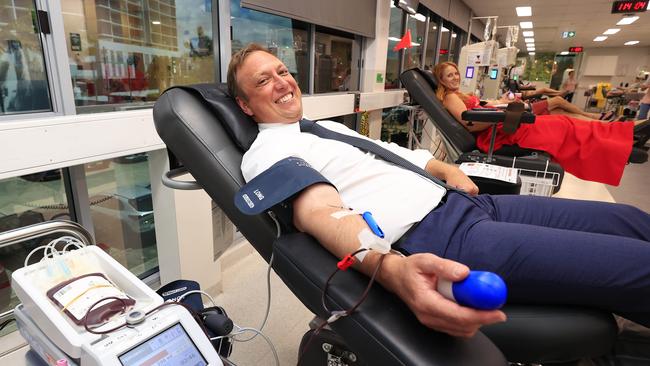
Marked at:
<point>627,20</point>
<point>419,17</point>
<point>524,11</point>
<point>454,35</point>
<point>410,9</point>
<point>526,25</point>
<point>631,43</point>
<point>529,40</point>
<point>611,31</point>
<point>530,45</point>
<point>528,34</point>
<point>156,22</point>
<point>531,53</point>
<point>394,39</point>
<point>564,53</point>
<point>531,48</point>
<point>415,44</point>
<point>444,29</point>
<point>600,38</point>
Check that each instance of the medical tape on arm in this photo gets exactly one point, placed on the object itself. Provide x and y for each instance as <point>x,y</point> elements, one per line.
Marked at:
<point>369,238</point>
<point>370,241</point>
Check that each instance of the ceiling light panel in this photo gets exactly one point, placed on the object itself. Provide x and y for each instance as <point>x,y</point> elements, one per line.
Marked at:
<point>528,34</point>
<point>627,20</point>
<point>600,38</point>
<point>524,11</point>
<point>526,25</point>
<point>611,31</point>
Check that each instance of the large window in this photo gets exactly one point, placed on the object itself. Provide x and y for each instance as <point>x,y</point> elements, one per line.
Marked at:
<point>121,208</point>
<point>430,59</point>
<point>24,201</point>
<point>23,77</point>
<point>124,53</point>
<point>286,38</point>
<point>413,56</point>
<point>336,66</point>
<point>392,57</point>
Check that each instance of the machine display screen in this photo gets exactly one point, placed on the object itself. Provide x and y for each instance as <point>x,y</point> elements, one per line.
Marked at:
<point>170,347</point>
<point>469,72</point>
<point>493,73</point>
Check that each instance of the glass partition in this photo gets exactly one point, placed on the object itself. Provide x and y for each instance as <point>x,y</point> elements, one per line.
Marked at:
<point>337,58</point>
<point>286,38</point>
<point>392,57</point>
<point>24,201</point>
<point>413,56</point>
<point>121,208</point>
<point>446,42</point>
<point>432,45</point>
<point>124,53</point>
<point>23,77</point>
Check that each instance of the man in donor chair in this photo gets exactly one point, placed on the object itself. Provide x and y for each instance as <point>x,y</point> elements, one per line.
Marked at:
<point>548,250</point>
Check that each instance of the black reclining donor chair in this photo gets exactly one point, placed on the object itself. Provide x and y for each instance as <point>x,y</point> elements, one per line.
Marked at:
<point>421,86</point>
<point>210,139</point>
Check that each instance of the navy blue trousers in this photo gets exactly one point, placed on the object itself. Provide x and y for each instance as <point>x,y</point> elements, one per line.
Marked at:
<point>548,250</point>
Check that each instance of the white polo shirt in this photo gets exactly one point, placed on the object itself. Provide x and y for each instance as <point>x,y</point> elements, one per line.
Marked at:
<point>396,197</point>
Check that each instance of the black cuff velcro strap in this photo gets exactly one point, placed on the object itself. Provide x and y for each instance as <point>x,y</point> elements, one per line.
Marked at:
<point>513,117</point>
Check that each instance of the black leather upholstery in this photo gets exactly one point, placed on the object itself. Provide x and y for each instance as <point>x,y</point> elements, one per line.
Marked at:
<point>383,331</point>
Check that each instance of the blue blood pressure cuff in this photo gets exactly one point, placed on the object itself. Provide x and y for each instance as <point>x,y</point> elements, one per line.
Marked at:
<point>276,185</point>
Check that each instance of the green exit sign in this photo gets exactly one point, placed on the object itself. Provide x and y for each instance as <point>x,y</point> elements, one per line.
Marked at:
<point>569,34</point>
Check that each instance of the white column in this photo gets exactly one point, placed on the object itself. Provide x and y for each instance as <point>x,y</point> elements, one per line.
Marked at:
<point>374,68</point>
<point>184,232</point>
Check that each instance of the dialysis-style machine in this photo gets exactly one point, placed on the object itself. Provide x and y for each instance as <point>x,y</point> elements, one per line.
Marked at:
<point>494,84</point>
<point>483,66</point>
<point>474,66</point>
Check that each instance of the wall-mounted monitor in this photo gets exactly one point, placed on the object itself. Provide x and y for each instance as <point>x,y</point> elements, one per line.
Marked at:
<point>494,73</point>
<point>469,72</point>
<point>409,6</point>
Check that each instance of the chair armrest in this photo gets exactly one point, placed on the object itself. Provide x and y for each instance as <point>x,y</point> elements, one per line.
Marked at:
<point>383,330</point>
<point>492,116</point>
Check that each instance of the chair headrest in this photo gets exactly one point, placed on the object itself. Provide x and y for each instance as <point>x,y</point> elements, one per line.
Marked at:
<point>428,76</point>
<point>241,127</point>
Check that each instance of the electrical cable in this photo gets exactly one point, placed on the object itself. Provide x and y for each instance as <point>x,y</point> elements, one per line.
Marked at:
<point>241,330</point>
<point>268,301</point>
<point>180,298</point>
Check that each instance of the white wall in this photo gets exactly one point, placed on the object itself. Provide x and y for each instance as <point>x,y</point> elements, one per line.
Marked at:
<point>630,59</point>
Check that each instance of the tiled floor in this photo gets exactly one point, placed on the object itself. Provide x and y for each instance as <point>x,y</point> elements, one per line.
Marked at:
<point>244,298</point>
<point>635,186</point>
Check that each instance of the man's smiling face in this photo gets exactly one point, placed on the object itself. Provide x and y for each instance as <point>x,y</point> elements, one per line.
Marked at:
<point>270,93</point>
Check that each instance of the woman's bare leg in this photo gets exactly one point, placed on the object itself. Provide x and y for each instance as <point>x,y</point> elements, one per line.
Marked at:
<point>563,104</point>
<point>550,92</point>
<point>573,115</point>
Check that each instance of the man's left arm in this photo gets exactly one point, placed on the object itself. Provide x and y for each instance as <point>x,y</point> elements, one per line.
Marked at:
<point>452,175</point>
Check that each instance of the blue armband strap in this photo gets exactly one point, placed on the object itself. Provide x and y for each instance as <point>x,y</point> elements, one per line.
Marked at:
<point>277,184</point>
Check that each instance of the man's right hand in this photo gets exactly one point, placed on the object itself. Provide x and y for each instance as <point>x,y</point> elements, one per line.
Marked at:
<point>414,280</point>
